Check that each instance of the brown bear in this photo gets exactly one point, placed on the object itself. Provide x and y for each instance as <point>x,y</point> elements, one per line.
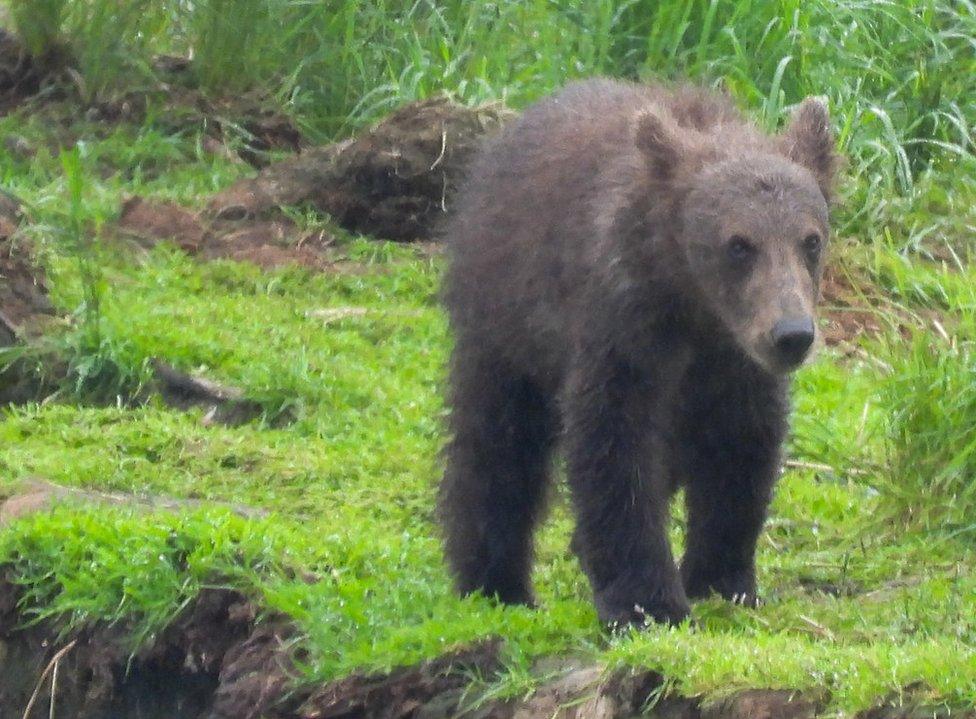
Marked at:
<point>632,273</point>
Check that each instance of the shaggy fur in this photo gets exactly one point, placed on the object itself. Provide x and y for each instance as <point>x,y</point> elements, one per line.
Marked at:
<point>623,262</point>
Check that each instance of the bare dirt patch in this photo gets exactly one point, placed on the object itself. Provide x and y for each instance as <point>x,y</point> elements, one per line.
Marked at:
<point>23,284</point>
<point>38,495</point>
<point>910,703</point>
<point>216,660</point>
<point>854,307</point>
<point>175,676</point>
<point>150,222</point>
<point>392,181</point>
<point>260,129</point>
<point>267,243</point>
<point>848,311</point>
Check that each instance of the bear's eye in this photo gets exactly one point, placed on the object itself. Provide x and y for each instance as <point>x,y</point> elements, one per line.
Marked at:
<point>740,249</point>
<point>811,245</point>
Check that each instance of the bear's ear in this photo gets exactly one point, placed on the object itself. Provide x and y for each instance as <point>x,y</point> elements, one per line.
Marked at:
<point>809,142</point>
<point>658,145</point>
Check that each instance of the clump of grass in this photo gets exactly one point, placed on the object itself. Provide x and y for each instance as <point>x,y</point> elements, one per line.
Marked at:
<point>146,572</point>
<point>111,43</point>
<point>228,36</point>
<point>91,360</point>
<point>929,405</point>
<point>100,364</point>
<point>39,23</point>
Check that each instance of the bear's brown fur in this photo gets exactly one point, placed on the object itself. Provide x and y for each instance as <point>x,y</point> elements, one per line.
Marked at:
<point>633,271</point>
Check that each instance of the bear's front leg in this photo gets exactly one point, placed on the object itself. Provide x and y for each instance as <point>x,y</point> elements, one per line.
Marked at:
<point>729,447</point>
<point>620,494</point>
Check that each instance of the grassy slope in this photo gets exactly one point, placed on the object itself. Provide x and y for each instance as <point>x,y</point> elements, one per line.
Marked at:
<point>860,601</point>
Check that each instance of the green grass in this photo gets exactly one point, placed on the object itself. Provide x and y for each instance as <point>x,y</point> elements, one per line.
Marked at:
<point>351,486</point>
<point>900,76</point>
<point>867,564</point>
<point>932,450</point>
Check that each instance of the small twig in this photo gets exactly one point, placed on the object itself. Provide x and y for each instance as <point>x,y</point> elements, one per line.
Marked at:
<point>864,422</point>
<point>54,689</point>
<point>11,331</point>
<point>800,464</point>
<point>47,670</point>
<point>820,467</point>
<point>818,628</point>
<point>443,149</point>
<point>863,354</point>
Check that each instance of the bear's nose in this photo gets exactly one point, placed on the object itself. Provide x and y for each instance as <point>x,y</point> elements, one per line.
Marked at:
<point>792,338</point>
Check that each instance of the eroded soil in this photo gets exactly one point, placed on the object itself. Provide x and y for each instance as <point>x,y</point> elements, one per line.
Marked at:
<point>267,243</point>
<point>24,305</point>
<point>23,76</point>
<point>218,660</point>
<point>846,309</point>
<point>23,284</point>
<point>392,181</point>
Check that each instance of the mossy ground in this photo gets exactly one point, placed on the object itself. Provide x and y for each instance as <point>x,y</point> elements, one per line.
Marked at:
<point>866,594</point>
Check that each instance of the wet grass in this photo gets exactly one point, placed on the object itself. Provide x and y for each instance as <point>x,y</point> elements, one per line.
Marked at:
<point>867,565</point>
<point>862,599</point>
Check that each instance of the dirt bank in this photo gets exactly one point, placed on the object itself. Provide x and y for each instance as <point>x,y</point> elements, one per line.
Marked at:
<point>392,181</point>
<point>219,660</point>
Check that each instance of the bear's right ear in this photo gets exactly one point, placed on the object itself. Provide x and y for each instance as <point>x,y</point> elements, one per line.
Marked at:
<point>809,142</point>
<point>658,145</point>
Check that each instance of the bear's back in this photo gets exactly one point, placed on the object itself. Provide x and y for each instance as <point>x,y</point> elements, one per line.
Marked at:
<point>526,213</point>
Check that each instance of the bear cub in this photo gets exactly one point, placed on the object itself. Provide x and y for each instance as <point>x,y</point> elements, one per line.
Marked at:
<point>633,272</point>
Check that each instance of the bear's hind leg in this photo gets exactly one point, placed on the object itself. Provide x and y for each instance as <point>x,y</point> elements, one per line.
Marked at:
<point>496,475</point>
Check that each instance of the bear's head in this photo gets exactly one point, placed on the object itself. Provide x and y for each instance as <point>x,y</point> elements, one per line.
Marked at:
<point>752,225</point>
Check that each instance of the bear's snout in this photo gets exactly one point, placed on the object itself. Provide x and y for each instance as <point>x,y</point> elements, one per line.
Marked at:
<point>792,338</point>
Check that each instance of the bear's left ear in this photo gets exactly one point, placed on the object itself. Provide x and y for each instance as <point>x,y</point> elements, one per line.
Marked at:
<point>658,144</point>
<point>809,142</point>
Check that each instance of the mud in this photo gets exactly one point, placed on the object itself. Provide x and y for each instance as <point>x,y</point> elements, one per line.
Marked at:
<point>393,181</point>
<point>268,243</point>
